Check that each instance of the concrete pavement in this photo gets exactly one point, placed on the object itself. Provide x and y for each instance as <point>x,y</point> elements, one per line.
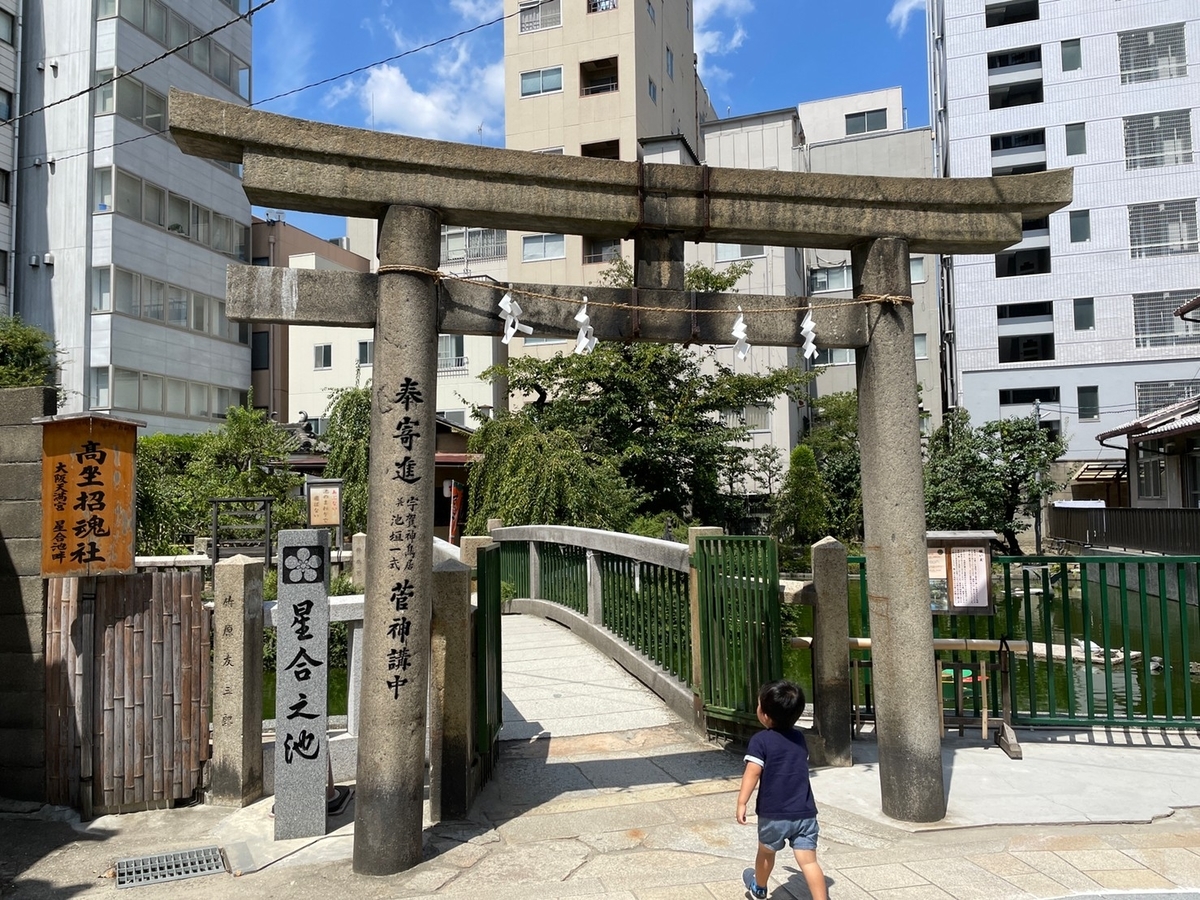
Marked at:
<point>601,792</point>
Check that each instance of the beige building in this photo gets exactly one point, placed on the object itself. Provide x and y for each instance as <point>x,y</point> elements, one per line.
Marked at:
<point>292,367</point>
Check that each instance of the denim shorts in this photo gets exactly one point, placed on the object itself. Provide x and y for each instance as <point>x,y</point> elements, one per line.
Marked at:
<point>802,833</point>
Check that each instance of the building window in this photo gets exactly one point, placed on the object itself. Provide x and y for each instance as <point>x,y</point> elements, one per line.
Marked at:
<point>1158,139</point>
<point>1152,395</point>
<point>6,26</point>
<point>1076,139</point>
<point>6,107</point>
<point>128,195</point>
<point>260,351</point>
<point>921,346</point>
<point>610,149</point>
<point>1019,153</point>
<point>753,418</point>
<point>1152,54</point>
<point>366,353</point>
<point>99,393</point>
<point>1023,348</point>
<point>836,278</point>
<point>450,352</point>
<point>601,250</point>
<point>1028,396</point>
<point>1085,313</point>
<point>1004,92</point>
<point>727,252</point>
<point>323,356</point>
<point>536,247</point>
<point>862,122</point>
<point>1156,325</point>
<point>541,81</point>
<point>1024,313</point>
<point>1089,403</point>
<point>595,6</point>
<point>1072,56</point>
<point>834,356</point>
<point>916,269</point>
<point>653,90</point>
<point>539,14</point>
<point>670,64</point>
<point>1010,13</point>
<point>101,289</point>
<point>171,30</point>
<point>1150,465</point>
<point>1015,263</point>
<point>124,392</point>
<point>1081,225</point>
<point>650,9</point>
<point>1162,229</point>
<point>460,244</point>
<point>598,76</point>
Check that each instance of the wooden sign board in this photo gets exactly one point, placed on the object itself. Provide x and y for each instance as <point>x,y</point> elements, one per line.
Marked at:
<point>88,519</point>
<point>325,503</point>
<point>960,573</point>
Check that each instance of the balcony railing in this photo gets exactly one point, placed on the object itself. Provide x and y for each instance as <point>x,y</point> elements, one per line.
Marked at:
<point>537,18</point>
<point>478,244</point>
<point>451,363</point>
<point>1171,531</point>
<point>601,5</point>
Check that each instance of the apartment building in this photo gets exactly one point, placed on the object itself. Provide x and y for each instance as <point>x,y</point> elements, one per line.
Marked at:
<point>122,241</point>
<point>1077,317</point>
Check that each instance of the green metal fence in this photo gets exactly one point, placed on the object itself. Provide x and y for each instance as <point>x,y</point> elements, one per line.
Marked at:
<point>1112,641</point>
<point>488,707</point>
<point>514,567</point>
<point>741,638</point>
<point>563,575</point>
<point>647,606</point>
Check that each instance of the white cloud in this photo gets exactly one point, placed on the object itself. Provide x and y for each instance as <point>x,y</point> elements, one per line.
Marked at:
<point>902,10</point>
<point>282,65</point>
<point>478,10</point>
<point>718,30</point>
<point>462,98</point>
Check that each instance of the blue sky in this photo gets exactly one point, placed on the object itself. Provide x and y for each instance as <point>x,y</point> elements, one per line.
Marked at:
<point>755,55</point>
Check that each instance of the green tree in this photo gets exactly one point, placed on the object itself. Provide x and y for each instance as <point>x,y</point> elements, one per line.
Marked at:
<point>696,276</point>
<point>349,438</point>
<point>834,442</point>
<point>527,476</point>
<point>28,356</point>
<point>798,517</point>
<point>988,477</point>
<point>655,411</point>
<point>178,476</point>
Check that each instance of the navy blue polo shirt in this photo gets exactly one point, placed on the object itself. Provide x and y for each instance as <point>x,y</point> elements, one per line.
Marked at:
<point>784,791</point>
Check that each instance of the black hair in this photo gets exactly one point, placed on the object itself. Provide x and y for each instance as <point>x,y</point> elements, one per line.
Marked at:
<point>782,702</point>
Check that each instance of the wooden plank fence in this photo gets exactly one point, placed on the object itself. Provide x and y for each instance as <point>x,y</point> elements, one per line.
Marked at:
<point>128,675</point>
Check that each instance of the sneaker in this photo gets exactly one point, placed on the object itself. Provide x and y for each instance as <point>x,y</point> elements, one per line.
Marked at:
<point>758,893</point>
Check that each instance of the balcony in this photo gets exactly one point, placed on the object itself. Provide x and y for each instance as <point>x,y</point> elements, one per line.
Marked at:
<point>541,14</point>
<point>598,76</point>
<point>1010,12</point>
<point>596,6</point>
<point>1018,154</point>
<point>452,363</point>
<point>1015,77</point>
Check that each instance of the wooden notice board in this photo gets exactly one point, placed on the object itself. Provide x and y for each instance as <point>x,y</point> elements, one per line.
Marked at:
<point>960,572</point>
<point>88,523</point>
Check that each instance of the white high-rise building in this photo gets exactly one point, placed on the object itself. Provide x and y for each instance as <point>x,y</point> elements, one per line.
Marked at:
<point>1078,316</point>
<point>123,241</point>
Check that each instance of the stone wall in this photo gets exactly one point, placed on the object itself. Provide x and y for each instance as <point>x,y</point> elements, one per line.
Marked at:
<point>22,594</point>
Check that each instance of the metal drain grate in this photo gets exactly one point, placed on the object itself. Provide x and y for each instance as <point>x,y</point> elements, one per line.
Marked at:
<point>169,866</point>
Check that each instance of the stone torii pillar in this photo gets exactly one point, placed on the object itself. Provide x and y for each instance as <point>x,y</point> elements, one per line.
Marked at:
<point>415,185</point>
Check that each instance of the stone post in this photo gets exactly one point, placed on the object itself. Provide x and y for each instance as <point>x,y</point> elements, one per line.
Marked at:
<point>22,594</point>
<point>694,608</point>
<point>907,715</point>
<point>535,571</point>
<point>398,603</point>
<point>451,683</point>
<point>468,548</point>
<point>595,591</point>
<point>358,554</point>
<point>831,651</point>
<point>237,776</point>
<point>302,683</point>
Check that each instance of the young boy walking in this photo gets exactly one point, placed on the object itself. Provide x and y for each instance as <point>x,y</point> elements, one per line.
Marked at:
<point>777,763</point>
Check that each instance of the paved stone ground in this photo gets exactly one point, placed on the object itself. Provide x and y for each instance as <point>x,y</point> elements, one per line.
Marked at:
<point>646,813</point>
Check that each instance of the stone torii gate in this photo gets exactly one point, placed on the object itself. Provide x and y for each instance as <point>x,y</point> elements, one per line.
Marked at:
<point>415,186</point>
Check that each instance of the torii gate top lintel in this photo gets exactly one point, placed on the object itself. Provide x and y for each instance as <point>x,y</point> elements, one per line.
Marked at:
<point>316,167</point>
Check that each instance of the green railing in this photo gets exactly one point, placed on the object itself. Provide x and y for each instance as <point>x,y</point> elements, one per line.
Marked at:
<point>1114,640</point>
<point>514,567</point>
<point>489,710</point>
<point>741,636</point>
<point>563,575</point>
<point>1137,617</point>
<point>647,606</point>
